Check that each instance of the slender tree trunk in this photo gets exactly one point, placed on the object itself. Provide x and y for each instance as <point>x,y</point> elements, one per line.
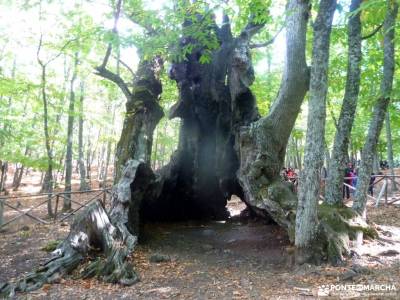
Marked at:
<point>155,151</point>
<point>380,108</point>
<point>307,209</point>
<point>1,212</point>
<point>100,162</point>
<point>298,154</point>
<point>17,180</point>
<point>70,137</point>
<point>390,150</point>
<point>3,177</point>
<point>376,168</point>
<point>337,163</point>
<point>81,164</point>
<point>88,163</point>
<point>48,181</point>
<point>61,167</point>
<point>16,174</point>
<point>109,149</point>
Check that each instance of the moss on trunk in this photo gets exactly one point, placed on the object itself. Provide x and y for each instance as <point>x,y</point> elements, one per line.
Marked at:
<point>338,225</point>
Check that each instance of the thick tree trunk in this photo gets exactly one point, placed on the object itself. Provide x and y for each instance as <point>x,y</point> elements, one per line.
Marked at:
<point>380,109</point>
<point>214,101</point>
<point>83,186</point>
<point>262,145</point>
<point>70,135</point>
<point>389,146</point>
<point>307,208</point>
<point>337,162</point>
<point>142,115</point>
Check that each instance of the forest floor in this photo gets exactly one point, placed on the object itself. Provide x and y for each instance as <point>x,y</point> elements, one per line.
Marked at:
<point>217,260</point>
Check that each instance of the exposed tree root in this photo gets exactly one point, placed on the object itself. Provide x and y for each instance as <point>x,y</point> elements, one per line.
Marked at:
<point>95,234</point>
<point>337,226</point>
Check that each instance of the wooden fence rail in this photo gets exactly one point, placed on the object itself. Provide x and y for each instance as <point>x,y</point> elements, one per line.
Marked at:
<point>5,202</point>
<point>378,178</point>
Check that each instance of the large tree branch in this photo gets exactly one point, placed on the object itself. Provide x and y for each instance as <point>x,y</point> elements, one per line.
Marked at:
<point>267,43</point>
<point>141,19</point>
<point>107,74</point>
<point>372,33</point>
<point>295,77</point>
<point>251,29</point>
<point>39,48</point>
<point>125,65</point>
<point>115,31</point>
<point>103,71</point>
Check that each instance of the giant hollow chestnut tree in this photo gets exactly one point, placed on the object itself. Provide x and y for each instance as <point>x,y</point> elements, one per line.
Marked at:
<point>225,147</point>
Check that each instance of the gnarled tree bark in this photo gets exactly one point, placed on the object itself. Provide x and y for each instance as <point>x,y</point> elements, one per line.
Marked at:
<point>214,101</point>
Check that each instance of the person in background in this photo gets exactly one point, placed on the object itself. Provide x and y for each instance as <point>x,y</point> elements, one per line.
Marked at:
<point>284,174</point>
<point>348,180</point>
<point>371,184</point>
<point>353,181</point>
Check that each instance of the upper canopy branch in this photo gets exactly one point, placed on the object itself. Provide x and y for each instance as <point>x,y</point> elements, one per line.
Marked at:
<point>107,74</point>
<point>115,31</point>
<point>141,18</point>
<point>372,33</point>
<point>103,71</point>
<point>267,43</point>
<point>61,51</point>
<point>251,29</point>
<point>125,65</point>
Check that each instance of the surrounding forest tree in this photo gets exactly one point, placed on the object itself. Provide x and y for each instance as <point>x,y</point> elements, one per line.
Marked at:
<point>338,160</point>
<point>307,206</point>
<point>71,117</point>
<point>81,163</point>
<point>390,150</point>
<point>380,108</point>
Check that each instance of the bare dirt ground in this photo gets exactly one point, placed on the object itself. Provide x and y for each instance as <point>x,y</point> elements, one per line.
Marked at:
<point>215,260</point>
<point>218,260</point>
